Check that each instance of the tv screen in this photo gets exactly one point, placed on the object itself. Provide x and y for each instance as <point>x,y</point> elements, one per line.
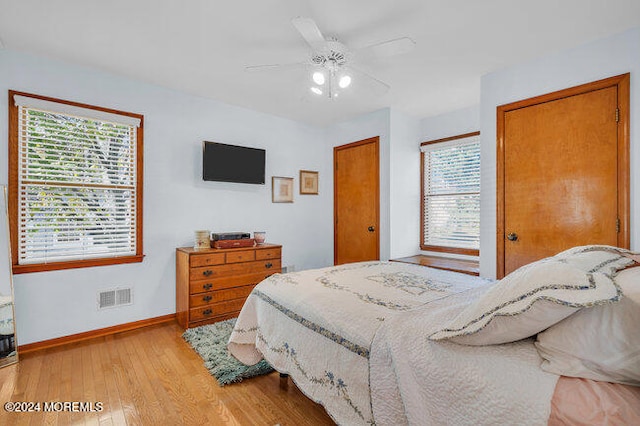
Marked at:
<point>232,163</point>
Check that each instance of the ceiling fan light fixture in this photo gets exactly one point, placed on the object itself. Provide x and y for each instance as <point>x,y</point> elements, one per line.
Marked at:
<point>345,81</point>
<point>329,69</point>
<point>318,78</point>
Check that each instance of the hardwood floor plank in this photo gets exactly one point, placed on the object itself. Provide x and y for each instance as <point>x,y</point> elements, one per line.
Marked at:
<point>36,389</point>
<point>76,386</point>
<point>8,379</point>
<point>142,393</point>
<point>20,391</point>
<point>53,365</point>
<point>112,406</point>
<point>93,384</point>
<point>149,376</point>
<point>150,368</point>
<point>101,391</point>
<point>118,371</point>
<point>186,393</point>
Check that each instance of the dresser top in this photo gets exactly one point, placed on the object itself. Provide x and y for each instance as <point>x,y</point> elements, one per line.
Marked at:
<point>191,250</point>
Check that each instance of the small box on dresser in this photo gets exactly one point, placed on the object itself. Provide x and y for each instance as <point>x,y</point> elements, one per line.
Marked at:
<point>213,284</point>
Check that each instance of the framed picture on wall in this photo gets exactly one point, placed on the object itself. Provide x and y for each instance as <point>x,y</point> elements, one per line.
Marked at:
<point>281,189</point>
<point>308,182</point>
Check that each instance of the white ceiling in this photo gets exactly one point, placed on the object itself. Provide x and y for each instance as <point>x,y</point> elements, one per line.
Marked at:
<point>202,46</point>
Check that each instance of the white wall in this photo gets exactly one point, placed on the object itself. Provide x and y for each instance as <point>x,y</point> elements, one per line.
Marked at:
<point>607,57</point>
<point>404,185</point>
<point>176,200</point>
<point>366,126</point>
<point>453,123</point>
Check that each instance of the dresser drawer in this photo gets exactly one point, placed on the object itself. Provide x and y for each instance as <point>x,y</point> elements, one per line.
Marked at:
<point>207,272</point>
<point>220,296</point>
<point>241,256</point>
<point>204,312</point>
<point>206,259</point>
<point>268,254</point>
<point>213,284</point>
<point>203,286</point>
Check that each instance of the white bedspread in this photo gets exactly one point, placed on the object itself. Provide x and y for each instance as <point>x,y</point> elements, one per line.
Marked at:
<point>421,382</point>
<point>318,325</point>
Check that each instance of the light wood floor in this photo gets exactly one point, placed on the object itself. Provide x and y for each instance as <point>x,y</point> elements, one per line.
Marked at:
<point>148,376</point>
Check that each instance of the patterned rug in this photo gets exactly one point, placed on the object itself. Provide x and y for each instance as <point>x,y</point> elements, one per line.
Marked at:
<point>210,342</point>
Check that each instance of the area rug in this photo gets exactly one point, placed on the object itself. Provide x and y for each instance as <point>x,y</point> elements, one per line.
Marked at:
<point>210,342</point>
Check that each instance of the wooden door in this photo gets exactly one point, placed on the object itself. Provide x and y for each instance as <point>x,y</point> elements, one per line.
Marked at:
<point>562,175</point>
<point>356,178</point>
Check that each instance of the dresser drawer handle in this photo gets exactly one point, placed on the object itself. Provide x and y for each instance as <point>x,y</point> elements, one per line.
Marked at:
<point>207,298</point>
<point>207,286</point>
<point>268,265</point>
<point>207,312</point>
<point>207,272</point>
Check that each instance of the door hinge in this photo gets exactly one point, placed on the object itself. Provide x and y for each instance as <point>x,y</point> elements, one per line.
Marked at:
<point>617,115</point>
<point>618,225</point>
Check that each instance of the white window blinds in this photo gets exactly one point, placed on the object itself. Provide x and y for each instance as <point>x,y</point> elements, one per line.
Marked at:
<point>77,179</point>
<point>451,194</point>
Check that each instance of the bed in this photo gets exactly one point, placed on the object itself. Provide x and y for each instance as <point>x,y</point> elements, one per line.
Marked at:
<point>365,341</point>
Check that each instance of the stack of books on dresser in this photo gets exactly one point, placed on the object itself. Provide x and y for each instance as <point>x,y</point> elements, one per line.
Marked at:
<point>232,240</point>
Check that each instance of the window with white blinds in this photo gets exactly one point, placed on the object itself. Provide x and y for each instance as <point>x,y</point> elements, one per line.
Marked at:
<point>77,183</point>
<point>451,194</point>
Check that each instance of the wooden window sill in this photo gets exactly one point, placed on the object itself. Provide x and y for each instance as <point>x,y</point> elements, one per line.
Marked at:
<point>86,263</point>
<point>470,267</point>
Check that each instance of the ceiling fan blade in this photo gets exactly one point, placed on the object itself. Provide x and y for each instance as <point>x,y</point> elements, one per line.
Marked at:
<point>275,67</point>
<point>364,81</point>
<point>388,48</point>
<point>309,32</point>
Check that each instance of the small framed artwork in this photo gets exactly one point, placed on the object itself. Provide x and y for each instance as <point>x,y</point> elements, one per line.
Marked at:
<point>281,189</point>
<point>308,182</point>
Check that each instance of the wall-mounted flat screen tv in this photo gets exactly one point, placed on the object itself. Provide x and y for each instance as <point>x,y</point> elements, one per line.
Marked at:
<point>232,163</point>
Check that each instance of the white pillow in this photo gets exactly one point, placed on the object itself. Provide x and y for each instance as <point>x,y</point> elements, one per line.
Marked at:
<point>538,295</point>
<point>600,343</point>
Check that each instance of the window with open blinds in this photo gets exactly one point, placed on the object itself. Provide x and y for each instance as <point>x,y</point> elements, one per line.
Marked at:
<point>451,194</point>
<point>78,185</point>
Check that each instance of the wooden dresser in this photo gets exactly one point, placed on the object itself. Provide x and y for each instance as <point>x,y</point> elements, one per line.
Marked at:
<point>212,284</point>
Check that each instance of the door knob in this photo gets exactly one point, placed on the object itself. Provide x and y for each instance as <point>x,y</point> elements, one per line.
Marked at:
<point>512,236</point>
<point>371,229</point>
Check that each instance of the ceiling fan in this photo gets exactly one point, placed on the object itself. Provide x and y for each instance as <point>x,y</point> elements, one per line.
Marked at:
<point>331,63</point>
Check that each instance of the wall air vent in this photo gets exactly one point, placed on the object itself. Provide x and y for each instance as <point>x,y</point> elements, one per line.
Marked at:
<point>114,297</point>
<point>106,299</point>
<point>123,296</point>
